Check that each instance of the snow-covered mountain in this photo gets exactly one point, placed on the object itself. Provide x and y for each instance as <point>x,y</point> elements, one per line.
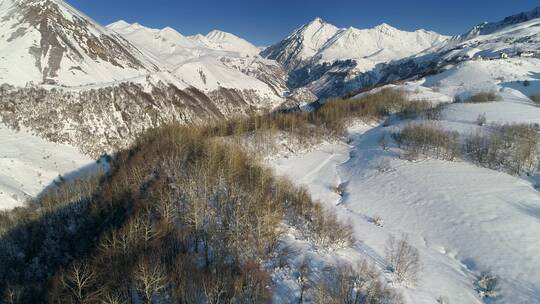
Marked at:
<point>219,40</point>
<point>320,42</point>
<point>324,57</point>
<point>302,45</point>
<point>517,36</point>
<point>217,60</point>
<point>491,27</point>
<point>71,80</point>
<point>51,42</point>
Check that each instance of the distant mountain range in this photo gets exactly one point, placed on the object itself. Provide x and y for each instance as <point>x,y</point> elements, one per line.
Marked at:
<point>69,79</point>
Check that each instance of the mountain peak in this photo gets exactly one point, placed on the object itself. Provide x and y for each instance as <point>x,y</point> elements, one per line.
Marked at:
<point>226,41</point>
<point>119,23</point>
<point>318,20</point>
<point>385,27</point>
<point>220,35</point>
<point>316,24</point>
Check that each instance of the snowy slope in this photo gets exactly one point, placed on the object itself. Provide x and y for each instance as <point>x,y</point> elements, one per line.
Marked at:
<point>517,37</point>
<point>217,60</point>
<point>51,42</point>
<point>219,40</point>
<point>487,28</point>
<point>28,164</point>
<point>463,219</point>
<point>490,39</point>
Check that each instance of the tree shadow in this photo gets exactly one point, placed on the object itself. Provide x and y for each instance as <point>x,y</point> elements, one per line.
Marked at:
<point>526,87</point>
<point>39,243</point>
<point>97,168</point>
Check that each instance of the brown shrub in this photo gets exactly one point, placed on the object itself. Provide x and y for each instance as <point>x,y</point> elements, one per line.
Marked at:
<point>428,139</point>
<point>536,99</point>
<point>483,97</point>
<point>511,148</point>
<point>361,283</point>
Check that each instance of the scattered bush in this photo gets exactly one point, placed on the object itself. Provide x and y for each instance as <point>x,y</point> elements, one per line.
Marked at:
<point>443,300</point>
<point>383,165</point>
<point>414,109</point>
<point>435,113</point>
<point>404,259</point>
<point>377,221</point>
<point>428,139</point>
<point>383,142</point>
<point>304,280</point>
<point>487,285</point>
<point>511,148</point>
<point>329,120</point>
<point>483,97</point>
<point>355,285</point>
<point>339,189</point>
<point>481,120</point>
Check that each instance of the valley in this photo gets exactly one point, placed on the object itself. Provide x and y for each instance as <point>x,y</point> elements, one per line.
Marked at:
<point>338,165</point>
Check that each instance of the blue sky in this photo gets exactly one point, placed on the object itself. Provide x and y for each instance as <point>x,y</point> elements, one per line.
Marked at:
<point>264,22</point>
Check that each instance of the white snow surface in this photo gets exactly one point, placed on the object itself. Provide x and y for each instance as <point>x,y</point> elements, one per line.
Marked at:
<point>463,219</point>
<point>29,164</point>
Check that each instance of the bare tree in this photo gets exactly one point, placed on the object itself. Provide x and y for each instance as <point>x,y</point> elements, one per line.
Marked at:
<point>80,284</point>
<point>304,283</point>
<point>348,284</point>
<point>150,279</point>
<point>481,119</point>
<point>12,295</point>
<point>404,259</point>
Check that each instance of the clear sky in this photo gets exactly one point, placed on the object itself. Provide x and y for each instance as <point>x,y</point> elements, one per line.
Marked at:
<point>264,22</point>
